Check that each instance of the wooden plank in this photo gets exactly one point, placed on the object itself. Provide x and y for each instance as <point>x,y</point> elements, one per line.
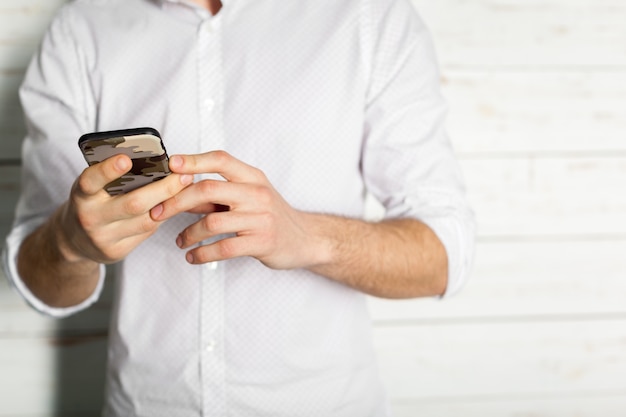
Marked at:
<point>14,57</point>
<point>465,362</point>
<point>511,281</point>
<point>12,128</point>
<point>9,193</point>
<point>26,364</point>
<point>547,367</point>
<point>41,378</point>
<point>19,320</point>
<point>491,112</point>
<point>537,198</point>
<point>13,132</point>
<point>513,197</point>
<point>527,34</point>
<point>22,25</point>
<point>526,281</point>
<point>26,20</point>
<point>549,197</point>
<point>29,6</point>
<point>605,405</point>
<point>504,282</point>
<point>505,286</point>
<point>554,112</point>
<point>582,33</point>
<point>527,197</point>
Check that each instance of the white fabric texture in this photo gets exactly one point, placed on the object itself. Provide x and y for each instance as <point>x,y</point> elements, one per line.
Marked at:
<point>330,99</point>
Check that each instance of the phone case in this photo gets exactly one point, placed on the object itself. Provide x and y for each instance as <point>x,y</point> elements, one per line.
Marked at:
<point>144,147</point>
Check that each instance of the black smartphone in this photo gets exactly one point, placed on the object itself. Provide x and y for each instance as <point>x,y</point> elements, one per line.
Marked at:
<point>142,145</point>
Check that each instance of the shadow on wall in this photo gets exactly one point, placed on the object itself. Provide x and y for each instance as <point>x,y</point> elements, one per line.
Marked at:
<point>77,343</point>
<point>12,129</point>
<point>80,345</point>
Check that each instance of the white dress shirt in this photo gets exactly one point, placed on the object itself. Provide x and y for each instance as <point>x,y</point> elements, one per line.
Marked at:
<point>330,99</point>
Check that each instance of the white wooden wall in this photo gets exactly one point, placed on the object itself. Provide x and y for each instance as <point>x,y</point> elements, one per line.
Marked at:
<point>537,90</point>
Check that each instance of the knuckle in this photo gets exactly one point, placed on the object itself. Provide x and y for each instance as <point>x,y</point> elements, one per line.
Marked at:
<point>200,256</point>
<point>134,206</point>
<point>258,175</point>
<point>147,225</point>
<point>186,236</point>
<point>172,205</point>
<point>213,222</point>
<point>86,221</point>
<point>221,157</point>
<point>183,236</point>
<point>82,184</point>
<point>263,195</point>
<point>208,186</point>
<point>226,248</point>
<point>172,185</point>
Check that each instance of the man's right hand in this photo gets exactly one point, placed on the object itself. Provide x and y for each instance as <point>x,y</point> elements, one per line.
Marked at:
<point>104,228</point>
<point>59,262</point>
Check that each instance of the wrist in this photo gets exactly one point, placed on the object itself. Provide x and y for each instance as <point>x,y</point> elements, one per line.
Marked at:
<point>57,231</point>
<point>325,235</point>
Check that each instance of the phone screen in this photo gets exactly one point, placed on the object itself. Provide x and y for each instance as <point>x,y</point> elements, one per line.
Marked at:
<point>144,147</point>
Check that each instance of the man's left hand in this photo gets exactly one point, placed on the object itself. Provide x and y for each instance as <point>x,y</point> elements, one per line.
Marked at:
<point>262,224</point>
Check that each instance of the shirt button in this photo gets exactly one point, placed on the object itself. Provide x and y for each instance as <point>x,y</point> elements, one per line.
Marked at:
<point>210,347</point>
<point>207,27</point>
<point>209,104</point>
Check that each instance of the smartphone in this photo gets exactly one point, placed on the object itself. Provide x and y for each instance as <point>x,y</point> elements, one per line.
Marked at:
<point>144,147</point>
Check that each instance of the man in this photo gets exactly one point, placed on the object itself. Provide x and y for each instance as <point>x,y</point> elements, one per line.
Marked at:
<point>262,312</point>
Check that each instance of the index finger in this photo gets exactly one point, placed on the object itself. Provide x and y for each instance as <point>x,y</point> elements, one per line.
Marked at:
<point>94,178</point>
<point>217,162</point>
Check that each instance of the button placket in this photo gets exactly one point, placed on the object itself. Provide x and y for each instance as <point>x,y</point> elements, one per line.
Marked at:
<point>210,347</point>
<point>208,105</point>
<point>212,367</point>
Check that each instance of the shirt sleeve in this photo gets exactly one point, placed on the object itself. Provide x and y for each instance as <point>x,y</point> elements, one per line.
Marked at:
<point>57,111</point>
<point>408,162</point>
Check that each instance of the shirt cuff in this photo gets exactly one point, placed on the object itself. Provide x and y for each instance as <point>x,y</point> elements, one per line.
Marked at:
<point>9,260</point>
<point>457,237</point>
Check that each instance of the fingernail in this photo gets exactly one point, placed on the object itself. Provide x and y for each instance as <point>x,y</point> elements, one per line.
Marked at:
<point>179,241</point>
<point>186,179</point>
<point>176,161</point>
<point>156,211</point>
<point>189,257</point>
<point>122,164</point>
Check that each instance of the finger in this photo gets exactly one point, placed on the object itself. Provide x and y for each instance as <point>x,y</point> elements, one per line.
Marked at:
<point>228,248</point>
<point>217,162</point>
<point>97,176</point>
<point>122,247</point>
<point>217,224</point>
<point>205,194</point>
<point>141,225</point>
<point>144,199</point>
<point>208,208</point>
<point>115,240</point>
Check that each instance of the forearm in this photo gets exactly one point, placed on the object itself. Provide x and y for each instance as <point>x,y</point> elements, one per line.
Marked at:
<point>54,274</point>
<point>400,258</point>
